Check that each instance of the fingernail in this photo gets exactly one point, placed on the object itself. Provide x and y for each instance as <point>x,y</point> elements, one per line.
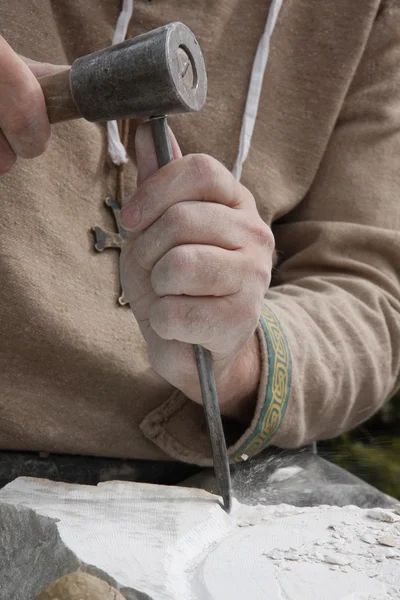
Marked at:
<point>130,215</point>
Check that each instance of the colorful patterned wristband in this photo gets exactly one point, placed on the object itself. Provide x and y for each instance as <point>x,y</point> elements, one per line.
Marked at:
<point>277,389</point>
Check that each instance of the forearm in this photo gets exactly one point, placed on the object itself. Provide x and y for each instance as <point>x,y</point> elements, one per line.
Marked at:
<point>343,335</point>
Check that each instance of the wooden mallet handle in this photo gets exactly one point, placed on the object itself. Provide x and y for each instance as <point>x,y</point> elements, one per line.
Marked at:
<point>57,92</point>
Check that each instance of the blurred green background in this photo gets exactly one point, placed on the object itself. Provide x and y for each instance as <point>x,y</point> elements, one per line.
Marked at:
<point>372,451</point>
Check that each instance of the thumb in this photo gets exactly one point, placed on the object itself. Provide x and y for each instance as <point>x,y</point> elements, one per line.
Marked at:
<point>146,157</point>
<point>40,69</point>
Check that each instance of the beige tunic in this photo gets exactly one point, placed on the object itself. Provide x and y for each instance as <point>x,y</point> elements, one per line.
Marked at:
<point>325,170</point>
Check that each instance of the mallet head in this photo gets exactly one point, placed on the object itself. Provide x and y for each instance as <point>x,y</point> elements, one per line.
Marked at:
<point>157,73</point>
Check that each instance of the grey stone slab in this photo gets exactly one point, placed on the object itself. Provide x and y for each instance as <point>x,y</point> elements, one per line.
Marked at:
<point>318,482</point>
<point>32,555</point>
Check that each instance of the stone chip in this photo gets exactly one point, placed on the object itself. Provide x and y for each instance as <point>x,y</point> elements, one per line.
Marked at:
<point>387,540</point>
<point>385,516</point>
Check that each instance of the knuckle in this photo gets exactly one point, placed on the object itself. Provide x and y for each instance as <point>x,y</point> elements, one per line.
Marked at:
<point>247,196</point>
<point>178,218</point>
<point>204,168</point>
<point>263,236</point>
<point>175,271</point>
<point>180,260</point>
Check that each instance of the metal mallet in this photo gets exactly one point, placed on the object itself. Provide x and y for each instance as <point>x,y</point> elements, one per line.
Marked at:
<point>158,73</point>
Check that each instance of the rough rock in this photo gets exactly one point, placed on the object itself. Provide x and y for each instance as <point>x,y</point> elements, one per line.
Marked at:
<point>79,586</point>
<point>33,555</point>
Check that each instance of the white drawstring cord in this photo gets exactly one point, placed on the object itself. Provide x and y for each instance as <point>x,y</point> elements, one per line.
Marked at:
<point>116,149</point>
<point>254,92</point>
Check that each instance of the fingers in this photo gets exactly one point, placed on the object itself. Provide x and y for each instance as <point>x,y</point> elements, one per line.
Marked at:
<point>23,115</point>
<point>146,157</point>
<point>198,262</point>
<point>215,323</point>
<point>172,360</point>
<point>194,177</point>
<point>199,270</point>
<point>190,223</point>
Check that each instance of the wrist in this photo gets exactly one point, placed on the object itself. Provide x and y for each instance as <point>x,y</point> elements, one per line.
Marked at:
<point>238,383</point>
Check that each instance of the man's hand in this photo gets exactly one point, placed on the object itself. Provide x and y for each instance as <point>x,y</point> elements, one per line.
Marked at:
<point>195,269</point>
<point>24,126</point>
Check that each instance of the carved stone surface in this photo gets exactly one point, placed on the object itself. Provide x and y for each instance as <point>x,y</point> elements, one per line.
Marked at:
<point>153,542</point>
